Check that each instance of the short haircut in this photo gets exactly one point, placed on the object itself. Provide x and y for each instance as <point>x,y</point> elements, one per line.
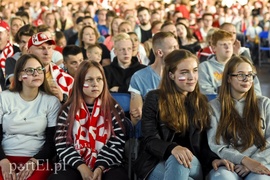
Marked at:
<point>206,14</point>
<point>90,47</point>
<point>159,37</point>
<point>221,35</point>
<point>123,23</point>
<point>101,10</point>
<point>121,36</point>
<point>142,8</point>
<point>110,14</point>
<point>226,24</point>
<point>59,35</point>
<point>42,28</point>
<point>167,23</point>
<point>22,14</point>
<point>71,50</point>
<point>87,17</point>
<point>153,24</point>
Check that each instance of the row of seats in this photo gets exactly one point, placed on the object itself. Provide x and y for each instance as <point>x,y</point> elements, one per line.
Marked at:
<point>263,47</point>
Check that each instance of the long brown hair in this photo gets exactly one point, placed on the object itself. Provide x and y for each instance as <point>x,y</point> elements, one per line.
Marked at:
<point>16,85</point>
<point>232,127</point>
<point>76,99</point>
<point>177,110</point>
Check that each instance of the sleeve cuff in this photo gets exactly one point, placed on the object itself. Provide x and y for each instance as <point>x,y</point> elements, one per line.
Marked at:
<point>169,150</point>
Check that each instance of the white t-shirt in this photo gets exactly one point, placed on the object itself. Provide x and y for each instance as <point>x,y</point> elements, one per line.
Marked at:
<point>24,122</point>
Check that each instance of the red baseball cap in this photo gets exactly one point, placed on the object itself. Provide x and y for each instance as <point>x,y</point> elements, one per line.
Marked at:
<point>38,39</point>
<point>3,26</point>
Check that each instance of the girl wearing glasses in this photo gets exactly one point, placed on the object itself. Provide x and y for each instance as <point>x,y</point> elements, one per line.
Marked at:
<point>90,135</point>
<point>174,125</point>
<point>240,123</point>
<point>28,113</point>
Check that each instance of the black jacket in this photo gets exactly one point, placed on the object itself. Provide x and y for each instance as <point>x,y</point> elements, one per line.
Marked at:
<point>158,140</point>
<point>117,76</point>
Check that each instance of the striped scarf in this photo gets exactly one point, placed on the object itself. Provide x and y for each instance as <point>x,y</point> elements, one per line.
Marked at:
<point>89,133</point>
<point>7,52</point>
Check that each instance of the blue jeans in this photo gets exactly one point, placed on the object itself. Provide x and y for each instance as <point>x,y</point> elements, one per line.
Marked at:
<point>223,174</point>
<point>172,170</point>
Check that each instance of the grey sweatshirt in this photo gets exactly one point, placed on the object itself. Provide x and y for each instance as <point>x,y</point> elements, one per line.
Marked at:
<point>226,151</point>
<point>210,77</point>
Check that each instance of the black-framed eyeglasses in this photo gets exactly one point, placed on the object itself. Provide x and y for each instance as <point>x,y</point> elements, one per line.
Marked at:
<point>31,71</point>
<point>243,77</point>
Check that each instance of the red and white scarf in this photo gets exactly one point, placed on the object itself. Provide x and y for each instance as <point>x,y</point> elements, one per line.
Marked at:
<point>89,133</point>
<point>64,80</point>
<point>8,51</point>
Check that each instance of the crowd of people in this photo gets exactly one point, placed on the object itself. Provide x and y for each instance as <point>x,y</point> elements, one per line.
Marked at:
<point>60,64</point>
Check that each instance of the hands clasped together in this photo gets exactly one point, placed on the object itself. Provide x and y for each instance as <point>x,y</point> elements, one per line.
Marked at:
<point>88,174</point>
<point>25,171</point>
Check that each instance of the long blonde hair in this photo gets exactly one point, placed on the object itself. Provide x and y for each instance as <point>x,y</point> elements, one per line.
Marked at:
<point>177,110</point>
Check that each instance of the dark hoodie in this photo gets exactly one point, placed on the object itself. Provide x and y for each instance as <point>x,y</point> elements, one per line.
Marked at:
<point>117,76</point>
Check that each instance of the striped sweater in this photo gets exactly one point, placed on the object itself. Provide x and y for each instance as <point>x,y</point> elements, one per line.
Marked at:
<point>109,156</point>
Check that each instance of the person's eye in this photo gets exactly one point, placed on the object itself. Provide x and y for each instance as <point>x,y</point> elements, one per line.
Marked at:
<point>30,70</point>
<point>242,75</point>
<point>99,79</point>
<point>40,69</point>
<point>89,80</point>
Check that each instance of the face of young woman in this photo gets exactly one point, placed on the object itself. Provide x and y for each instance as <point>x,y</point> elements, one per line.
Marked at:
<point>245,73</point>
<point>32,76</point>
<point>93,85</point>
<point>115,24</point>
<point>186,75</point>
<point>181,31</point>
<point>89,36</point>
<point>135,44</point>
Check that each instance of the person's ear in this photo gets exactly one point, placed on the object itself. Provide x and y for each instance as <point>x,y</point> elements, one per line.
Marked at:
<point>171,75</point>
<point>160,53</point>
<point>229,80</point>
<point>213,48</point>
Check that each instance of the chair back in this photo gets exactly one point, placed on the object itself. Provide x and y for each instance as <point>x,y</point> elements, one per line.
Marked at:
<point>123,99</point>
<point>263,35</point>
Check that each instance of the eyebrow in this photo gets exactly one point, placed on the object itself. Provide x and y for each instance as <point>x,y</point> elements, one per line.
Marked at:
<point>244,71</point>
<point>188,69</point>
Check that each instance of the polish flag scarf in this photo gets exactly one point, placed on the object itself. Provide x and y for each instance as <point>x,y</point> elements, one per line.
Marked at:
<point>7,52</point>
<point>64,80</point>
<point>89,133</point>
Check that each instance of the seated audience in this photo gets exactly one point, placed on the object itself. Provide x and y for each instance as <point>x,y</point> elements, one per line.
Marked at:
<point>174,125</point>
<point>72,59</point>
<point>90,136</point>
<point>119,72</point>
<point>28,118</point>
<point>163,44</point>
<point>94,53</point>
<point>211,71</point>
<point>240,124</point>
